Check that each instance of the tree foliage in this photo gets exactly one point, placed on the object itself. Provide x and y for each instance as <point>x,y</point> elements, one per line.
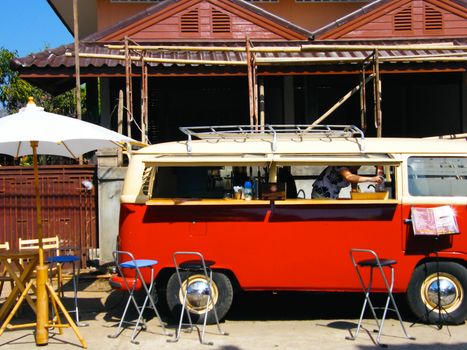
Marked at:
<point>14,91</point>
<point>14,94</point>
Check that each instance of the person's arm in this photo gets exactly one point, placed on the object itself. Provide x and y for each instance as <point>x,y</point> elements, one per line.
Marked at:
<point>354,178</point>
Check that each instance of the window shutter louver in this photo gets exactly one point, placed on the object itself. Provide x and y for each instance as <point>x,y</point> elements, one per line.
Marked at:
<point>189,22</point>
<point>220,22</point>
<point>433,19</point>
<point>403,20</point>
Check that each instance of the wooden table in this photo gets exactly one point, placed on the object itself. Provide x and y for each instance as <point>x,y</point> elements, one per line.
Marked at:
<point>21,274</point>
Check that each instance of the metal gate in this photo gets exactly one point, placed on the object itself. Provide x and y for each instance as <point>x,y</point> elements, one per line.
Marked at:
<point>68,204</point>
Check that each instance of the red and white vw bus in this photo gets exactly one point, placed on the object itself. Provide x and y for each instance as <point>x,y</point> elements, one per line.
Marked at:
<point>186,196</point>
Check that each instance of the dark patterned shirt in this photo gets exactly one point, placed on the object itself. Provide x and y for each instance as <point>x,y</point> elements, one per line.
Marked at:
<point>330,182</point>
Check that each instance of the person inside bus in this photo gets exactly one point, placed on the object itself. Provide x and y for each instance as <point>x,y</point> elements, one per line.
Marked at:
<point>333,178</point>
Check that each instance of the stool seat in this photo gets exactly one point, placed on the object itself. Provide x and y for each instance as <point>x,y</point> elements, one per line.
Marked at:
<point>196,264</point>
<point>374,262</point>
<point>140,263</point>
<point>62,259</point>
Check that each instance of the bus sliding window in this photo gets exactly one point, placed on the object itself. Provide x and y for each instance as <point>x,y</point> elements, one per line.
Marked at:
<point>305,175</point>
<point>188,182</point>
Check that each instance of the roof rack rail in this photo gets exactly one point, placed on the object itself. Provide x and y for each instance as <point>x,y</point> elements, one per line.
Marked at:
<point>271,132</point>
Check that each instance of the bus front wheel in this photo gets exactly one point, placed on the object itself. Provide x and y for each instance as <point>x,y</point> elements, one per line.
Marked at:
<point>197,288</point>
<point>436,292</point>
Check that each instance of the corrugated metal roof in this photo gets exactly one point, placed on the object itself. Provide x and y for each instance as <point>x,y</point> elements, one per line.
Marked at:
<point>307,52</point>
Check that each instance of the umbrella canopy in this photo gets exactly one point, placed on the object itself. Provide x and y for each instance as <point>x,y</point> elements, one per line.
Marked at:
<point>56,134</point>
<point>34,131</point>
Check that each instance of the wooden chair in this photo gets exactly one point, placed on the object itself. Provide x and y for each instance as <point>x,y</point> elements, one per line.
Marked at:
<point>3,276</point>
<point>51,246</point>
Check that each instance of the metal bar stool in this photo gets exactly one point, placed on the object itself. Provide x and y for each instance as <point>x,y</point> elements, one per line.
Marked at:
<point>375,263</point>
<point>131,285</point>
<point>60,260</point>
<point>191,267</point>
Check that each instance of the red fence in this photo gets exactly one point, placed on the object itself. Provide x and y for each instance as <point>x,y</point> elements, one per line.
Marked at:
<point>69,209</point>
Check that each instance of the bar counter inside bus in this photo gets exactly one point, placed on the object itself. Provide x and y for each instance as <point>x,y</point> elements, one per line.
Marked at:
<point>229,201</point>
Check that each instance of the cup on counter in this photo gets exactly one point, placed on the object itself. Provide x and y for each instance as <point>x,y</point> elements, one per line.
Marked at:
<point>238,191</point>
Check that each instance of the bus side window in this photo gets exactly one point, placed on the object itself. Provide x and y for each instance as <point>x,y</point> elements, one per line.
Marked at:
<point>437,176</point>
<point>190,182</point>
<point>165,183</point>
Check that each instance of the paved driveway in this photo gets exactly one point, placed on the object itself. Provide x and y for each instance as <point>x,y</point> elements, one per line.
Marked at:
<point>257,321</point>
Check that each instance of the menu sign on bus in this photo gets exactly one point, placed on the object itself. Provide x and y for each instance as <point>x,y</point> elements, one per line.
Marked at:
<point>434,221</point>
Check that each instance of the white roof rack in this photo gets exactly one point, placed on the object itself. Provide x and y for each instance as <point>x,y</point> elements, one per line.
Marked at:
<point>271,132</point>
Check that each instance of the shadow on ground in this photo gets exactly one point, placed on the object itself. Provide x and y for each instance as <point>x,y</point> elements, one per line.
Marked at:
<point>305,306</point>
<point>268,306</point>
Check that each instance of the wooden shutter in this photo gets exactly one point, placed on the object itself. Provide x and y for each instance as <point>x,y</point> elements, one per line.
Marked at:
<point>403,20</point>
<point>433,19</point>
<point>189,22</point>
<point>220,22</point>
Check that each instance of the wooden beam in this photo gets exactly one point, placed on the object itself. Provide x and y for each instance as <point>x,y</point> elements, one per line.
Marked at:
<point>261,61</point>
<point>299,48</point>
<point>129,89</point>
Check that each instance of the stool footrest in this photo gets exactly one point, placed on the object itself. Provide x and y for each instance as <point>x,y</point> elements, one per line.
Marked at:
<point>131,285</point>
<point>375,263</point>
<point>194,262</point>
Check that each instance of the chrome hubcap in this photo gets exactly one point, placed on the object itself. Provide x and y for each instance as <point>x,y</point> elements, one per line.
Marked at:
<point>197,289</point>
<point>445,292</point>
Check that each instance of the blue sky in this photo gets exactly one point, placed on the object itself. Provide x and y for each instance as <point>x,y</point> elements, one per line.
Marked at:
<point>29,26</point>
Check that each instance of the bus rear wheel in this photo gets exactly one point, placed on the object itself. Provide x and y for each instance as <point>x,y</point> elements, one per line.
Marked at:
<point>443,302</point>
<point>197,287</point>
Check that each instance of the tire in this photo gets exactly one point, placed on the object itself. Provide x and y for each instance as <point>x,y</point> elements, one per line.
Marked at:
<point>221,299</point>
<point>422,293</point>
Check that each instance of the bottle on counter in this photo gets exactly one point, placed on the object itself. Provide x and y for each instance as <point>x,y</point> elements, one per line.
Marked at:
<point>380,173</point>
<point>248,191</point>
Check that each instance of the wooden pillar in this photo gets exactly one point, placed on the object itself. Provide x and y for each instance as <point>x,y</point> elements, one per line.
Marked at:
<point>144,101</point>
<point>251,64</point>
<point>120,125</point>
<point>129,91</point>
<point>377,95</point>
<point>363,100</point>
<point>77,70</point>
<point>262,102</point>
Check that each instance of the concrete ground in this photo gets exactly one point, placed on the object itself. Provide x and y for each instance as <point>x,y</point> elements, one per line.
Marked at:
<point>256,321</point>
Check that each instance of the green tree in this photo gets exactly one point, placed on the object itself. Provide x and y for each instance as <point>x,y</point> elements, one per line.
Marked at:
<point>14,91</point>
<point>14,94</point>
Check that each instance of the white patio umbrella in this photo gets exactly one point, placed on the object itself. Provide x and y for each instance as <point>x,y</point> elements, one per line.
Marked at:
<point>34,131</point>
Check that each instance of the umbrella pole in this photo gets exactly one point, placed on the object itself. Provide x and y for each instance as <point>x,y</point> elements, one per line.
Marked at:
<point>34,145</point>
<point>42,303</point>
<point>43,290</point>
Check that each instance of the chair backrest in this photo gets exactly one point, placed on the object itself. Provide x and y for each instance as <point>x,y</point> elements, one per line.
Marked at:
<point>48,243</point>
<point>119,281</point>
<point>5,246</point>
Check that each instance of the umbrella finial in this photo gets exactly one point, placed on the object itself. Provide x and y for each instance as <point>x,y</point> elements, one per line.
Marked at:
<point>31,106</point>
